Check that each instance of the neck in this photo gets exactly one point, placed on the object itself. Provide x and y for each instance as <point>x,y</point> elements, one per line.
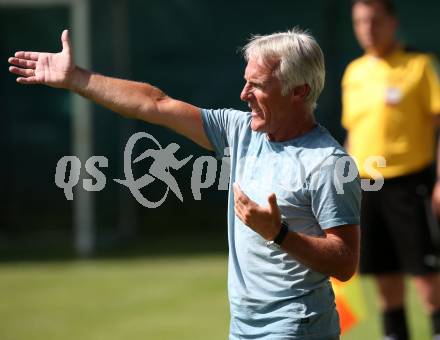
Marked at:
<point>294,128</point>
<point>384,51</point>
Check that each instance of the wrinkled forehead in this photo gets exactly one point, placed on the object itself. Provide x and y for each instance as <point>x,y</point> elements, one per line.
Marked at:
<point>262,65</point>
<point>257,71</point>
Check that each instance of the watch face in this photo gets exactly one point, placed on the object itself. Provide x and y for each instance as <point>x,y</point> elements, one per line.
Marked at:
<point>272,245</point>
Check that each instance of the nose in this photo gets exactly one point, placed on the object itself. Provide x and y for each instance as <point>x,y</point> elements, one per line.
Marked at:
<point>369,27</point>
<point>244,95</point>
<point>366,26</point>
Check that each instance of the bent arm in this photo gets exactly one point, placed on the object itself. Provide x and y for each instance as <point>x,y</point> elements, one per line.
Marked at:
<point>141,101</point>
<point>336,254</point>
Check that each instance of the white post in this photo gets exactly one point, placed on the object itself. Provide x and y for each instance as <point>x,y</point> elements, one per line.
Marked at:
<point>83,212</point>
<point>83,209</point>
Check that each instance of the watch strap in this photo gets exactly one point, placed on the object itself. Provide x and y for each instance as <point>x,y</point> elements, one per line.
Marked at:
<point>282,233</point>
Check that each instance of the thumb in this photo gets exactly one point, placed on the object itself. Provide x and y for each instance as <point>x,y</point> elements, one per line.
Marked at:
<point>65,40</point>
<point>273,206</point>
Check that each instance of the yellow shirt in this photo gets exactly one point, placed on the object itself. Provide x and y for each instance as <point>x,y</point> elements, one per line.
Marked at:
<point>388,108</point>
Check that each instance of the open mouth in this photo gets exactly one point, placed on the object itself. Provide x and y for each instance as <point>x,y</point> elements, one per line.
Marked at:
<point>255,112</point>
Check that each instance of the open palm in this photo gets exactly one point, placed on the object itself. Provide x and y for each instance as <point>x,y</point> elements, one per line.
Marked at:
<point>53,69</point>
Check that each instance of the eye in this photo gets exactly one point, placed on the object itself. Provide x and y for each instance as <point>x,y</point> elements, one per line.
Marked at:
<point>252,86</point>
<point>256,85</point>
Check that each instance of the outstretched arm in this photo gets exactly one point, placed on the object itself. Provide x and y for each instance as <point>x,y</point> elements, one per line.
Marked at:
<point>128,98</point>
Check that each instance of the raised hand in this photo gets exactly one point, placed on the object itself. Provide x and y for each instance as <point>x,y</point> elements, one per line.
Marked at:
<point>52,69</point>
<point>266,221</point>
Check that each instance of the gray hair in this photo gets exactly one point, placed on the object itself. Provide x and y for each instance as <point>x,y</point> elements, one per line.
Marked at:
<point>301,60</point>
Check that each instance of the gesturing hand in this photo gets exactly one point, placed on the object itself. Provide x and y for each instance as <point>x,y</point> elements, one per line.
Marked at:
<point>53,69</point>
<point>266,221</point>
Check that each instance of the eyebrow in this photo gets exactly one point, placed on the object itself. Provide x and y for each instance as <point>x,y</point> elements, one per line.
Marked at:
<point>254,81</point>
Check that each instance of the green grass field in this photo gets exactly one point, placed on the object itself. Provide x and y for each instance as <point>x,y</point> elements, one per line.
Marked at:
<point>147,298</point>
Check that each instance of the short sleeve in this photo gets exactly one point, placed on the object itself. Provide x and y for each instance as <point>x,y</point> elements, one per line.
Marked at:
<point>336,193</point>
<point>221,126</point>
<point>431,86</point>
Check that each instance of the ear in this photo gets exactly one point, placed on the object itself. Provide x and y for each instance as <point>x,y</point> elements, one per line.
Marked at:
<point>301,91</point>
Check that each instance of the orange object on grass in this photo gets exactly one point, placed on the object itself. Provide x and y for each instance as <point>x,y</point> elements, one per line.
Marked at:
<point>349,302</point>
<point>347,318</point>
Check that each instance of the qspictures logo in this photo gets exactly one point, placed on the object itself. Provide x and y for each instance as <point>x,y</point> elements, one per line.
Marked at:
<point>292,174</point>
<point>68,170</point>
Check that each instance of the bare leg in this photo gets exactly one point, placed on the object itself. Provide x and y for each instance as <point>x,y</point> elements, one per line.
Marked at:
<point>391,289</point>
<point>428,287</point>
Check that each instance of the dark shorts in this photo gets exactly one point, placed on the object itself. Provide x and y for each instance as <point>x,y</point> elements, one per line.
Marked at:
<point>398,228</point>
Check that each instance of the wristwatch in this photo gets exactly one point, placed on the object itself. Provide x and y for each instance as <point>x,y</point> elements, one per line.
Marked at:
<point>281,235</point>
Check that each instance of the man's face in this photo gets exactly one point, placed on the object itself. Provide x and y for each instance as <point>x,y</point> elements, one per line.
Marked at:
<point>262,92</point>
<point>374,28</point>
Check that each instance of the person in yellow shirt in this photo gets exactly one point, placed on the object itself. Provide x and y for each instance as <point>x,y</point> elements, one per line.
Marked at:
<point>391,102</point>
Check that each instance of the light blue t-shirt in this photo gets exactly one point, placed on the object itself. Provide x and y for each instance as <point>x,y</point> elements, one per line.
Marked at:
<point>271,295</point>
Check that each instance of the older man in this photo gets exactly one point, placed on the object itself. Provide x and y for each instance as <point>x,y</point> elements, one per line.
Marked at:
<point>290,225</point>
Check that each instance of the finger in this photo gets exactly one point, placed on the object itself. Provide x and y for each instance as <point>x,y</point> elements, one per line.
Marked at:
<point>22,63</point>
<point>65,40</point>
<point>238,204</point>
<point>273,205</point>
<point>239,194</point>
<point>239,211</point>
<point>27,81</point>
<point>22,71</point>
<point>236,187</point>
<point>241,198</point>
<point>236,200</point>
<point>27,55</point>
<point>237,207</point>
<point>237,191</point>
